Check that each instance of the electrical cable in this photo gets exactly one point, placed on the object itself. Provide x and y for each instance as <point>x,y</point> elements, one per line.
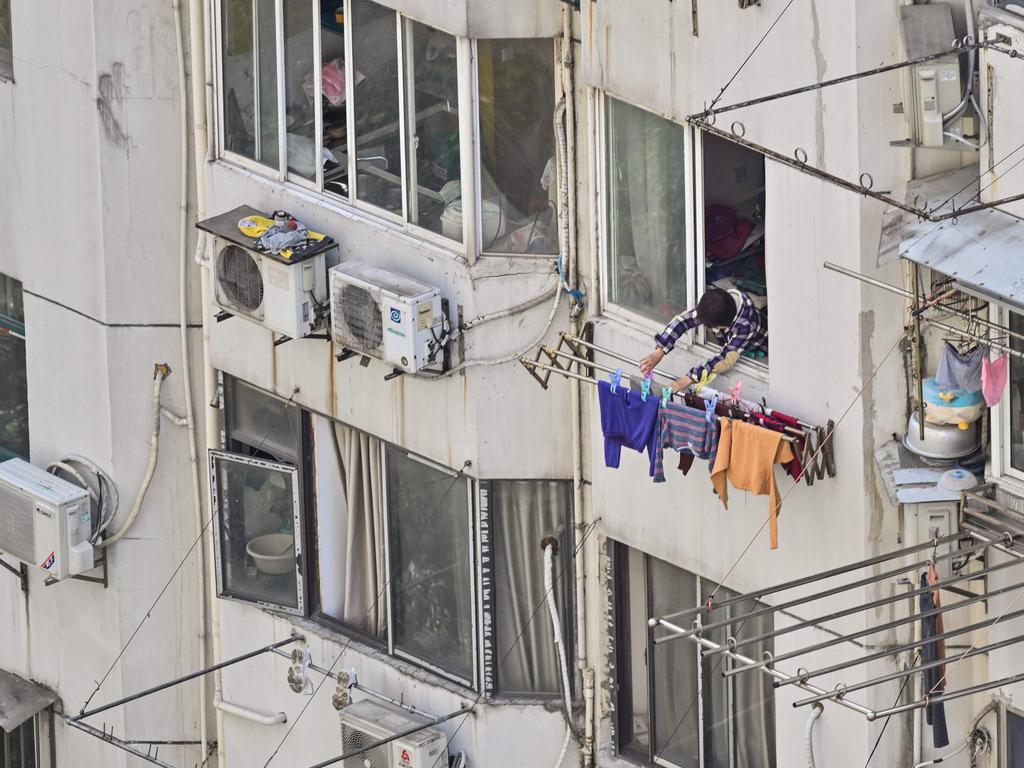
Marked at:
<point>178,567</point>
<point>519,636</point>
<point>917,656</point>
<point>330,670</point>
<point>105,494</point>
<point>556,629</point>
<point>749,55</point>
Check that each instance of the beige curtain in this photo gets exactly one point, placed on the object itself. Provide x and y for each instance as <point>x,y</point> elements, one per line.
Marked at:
<point>359,456</point>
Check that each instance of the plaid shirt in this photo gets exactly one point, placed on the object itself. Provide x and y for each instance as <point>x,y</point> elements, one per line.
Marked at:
<point>748,333</point>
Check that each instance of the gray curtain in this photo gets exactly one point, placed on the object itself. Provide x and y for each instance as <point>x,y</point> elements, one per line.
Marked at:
<point>522,514</point>
<point>359,457</point>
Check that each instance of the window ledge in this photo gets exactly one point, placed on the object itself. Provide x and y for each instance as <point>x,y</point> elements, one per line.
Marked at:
<point>360,646</point>
<point>339,207</point>
<point>640,340</point>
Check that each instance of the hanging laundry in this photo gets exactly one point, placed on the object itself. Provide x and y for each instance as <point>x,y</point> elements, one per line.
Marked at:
<point>934,678</point>
<point>747,455</point>
<point>957,371</point>
<point>993,378</point>
<point>685,429</point>
<point>628,420</point>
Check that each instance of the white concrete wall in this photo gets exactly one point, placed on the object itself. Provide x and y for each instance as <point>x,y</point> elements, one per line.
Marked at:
<point>89,159</point>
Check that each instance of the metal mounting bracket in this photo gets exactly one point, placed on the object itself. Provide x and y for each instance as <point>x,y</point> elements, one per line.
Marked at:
<point>21,572</point>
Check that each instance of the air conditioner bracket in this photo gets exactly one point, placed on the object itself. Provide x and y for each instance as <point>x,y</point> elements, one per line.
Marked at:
<point>101,579</point>
<point>345,354</point>
<point>221,316</point>
<point>21,572</point>
<point>394,374</point>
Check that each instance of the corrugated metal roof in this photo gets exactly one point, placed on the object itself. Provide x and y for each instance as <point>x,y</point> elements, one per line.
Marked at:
<point>21,699</point>
<point>982,250</point>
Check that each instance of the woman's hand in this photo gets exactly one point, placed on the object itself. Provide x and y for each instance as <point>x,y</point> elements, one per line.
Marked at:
<point>680,384</point>
<point>650,362</point>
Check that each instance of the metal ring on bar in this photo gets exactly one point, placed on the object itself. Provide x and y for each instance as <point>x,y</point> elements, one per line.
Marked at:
<point>742,129</point>
<point>840,690</point>
<point>731,643</point>
<point>920,203</point>
<point>801,155</point>
<point>956,44</point>
<point>968,41</point>
<point>769,659</point>
<point>870,184</point>
<point>1008,537</point>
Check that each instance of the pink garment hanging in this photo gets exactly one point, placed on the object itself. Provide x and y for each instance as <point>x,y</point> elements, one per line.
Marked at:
<point>993,378</point>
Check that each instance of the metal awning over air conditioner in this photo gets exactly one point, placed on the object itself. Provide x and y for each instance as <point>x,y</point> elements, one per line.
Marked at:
<point>21,699</point>
<point>700,624</point>
<point>982,250</point>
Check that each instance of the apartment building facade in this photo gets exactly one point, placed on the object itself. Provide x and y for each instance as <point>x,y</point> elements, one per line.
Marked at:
<point>536,166</point>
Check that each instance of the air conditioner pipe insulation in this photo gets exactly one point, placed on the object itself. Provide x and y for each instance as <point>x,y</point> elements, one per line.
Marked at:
<point>160,372</point>
<point>556,628</point>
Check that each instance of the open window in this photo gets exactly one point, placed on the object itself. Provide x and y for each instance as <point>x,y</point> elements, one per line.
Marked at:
<point>258,488</point>
<point>732,256</point>
<point>674,708</point>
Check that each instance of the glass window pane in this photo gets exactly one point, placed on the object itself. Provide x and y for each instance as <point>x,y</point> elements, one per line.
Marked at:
<point>523,513</point>
<point>432,112</point>
<point>256,515</point>
<point>14,740</point>
<point>28,744</point>
<point>13,381</point>
<point>635,722</point>
<point>646,212</point>
<point>1016,395</point>
<point>334,96</point>
<point>264,424</point>
<point>431,564</point>
<point>5,24</point>
<point>250,79</point>
<point>674,669</point>
<point>300,87</point>
<point>377,122</point>
<point>519,186</point>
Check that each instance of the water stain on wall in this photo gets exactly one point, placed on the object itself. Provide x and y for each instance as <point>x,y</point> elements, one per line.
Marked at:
<point>111,90</point>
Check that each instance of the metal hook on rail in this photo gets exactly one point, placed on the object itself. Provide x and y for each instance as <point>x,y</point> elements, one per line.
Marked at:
<point>870,181</point>
<point>801,155</point>
<point>741,131</point>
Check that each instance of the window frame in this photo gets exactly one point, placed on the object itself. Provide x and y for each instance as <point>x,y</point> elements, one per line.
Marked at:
<point>623,655</point>
<point>14,328</point>
<point>1000,415</point>
<point>466,80</point>
<point>696,341</point>
<point>488,608</point>
<point>298,513</point>
<point>43,741</point>
<point>603,181</point>
<point>474,683</point>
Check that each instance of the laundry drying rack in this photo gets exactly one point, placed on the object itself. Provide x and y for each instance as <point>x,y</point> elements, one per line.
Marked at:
<point>574,358</point>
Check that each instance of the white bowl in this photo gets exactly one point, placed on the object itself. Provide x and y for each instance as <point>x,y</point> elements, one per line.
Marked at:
<point>273,553</point>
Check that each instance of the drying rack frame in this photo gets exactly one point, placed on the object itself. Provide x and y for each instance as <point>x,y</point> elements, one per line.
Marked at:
<point>1002,541</point>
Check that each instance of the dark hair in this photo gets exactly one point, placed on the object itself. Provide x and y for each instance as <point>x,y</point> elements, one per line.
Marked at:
<point>716,308</point>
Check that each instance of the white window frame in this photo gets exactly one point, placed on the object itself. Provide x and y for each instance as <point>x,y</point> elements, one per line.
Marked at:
<point>473,683</point>
<point>748,366</point>
<point>465,57</point>
<point>697,341</point>
<point>1002,464</point>
<point>608,307</point>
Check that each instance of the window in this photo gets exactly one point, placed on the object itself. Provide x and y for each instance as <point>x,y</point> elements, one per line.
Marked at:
<point>30,745</point>
<point>258,486</point>
<point>519,515</point>
<point>368,103</point>
<point>518,173</point>
<point>647,213</point>
<point>431,564</point>
<point>6,54</point>
<point>673,707</point>
<point>734,224</point>
<point>13,381</point>
<point>1014,421</point>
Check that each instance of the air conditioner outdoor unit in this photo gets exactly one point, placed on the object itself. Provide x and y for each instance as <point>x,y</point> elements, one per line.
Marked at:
<point>387,315</point>
<point>369,721</point>
<point>44,520</point>
<point>282,296</point>
<point>285,292</point>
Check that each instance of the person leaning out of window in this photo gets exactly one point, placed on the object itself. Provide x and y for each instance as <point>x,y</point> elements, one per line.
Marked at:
<point>731,317</point>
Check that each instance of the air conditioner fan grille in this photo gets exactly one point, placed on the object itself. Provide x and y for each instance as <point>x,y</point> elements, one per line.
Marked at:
<point>353,738</point>
<point>239,281</point>
<point>357,319</point>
